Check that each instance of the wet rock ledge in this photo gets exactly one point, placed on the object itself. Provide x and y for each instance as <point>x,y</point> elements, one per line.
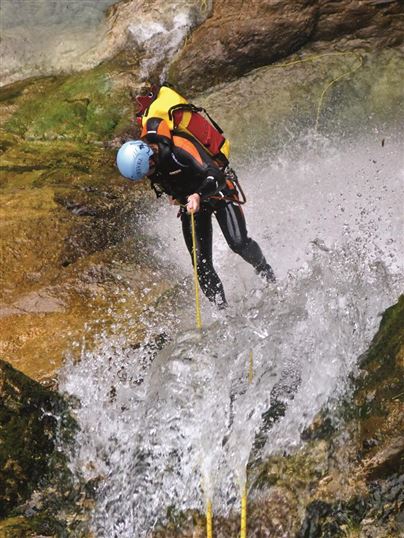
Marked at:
<point>237,37</point>
<point>29,416</point>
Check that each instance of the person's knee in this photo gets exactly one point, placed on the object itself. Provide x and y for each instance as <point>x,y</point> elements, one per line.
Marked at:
<point>204,265</point>
<point>239,245</point>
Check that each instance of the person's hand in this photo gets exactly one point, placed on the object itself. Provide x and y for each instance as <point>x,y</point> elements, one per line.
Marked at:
<point>173,201</point>
<point>194,203</point>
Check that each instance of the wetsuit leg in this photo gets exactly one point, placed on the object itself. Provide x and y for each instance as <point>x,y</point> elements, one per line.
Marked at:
<point>233,225</point>
<point>209,281</point>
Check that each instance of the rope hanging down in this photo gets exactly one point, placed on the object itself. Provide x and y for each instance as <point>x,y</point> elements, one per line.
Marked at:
<point>243,526</point>
<point>196,283</point>
<point>251,368</point>
<point>209,520</point>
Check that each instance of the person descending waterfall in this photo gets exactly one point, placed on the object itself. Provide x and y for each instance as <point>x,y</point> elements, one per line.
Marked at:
<point>199,180</point>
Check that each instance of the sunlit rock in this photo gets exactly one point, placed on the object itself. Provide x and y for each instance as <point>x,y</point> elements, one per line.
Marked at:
<point>237,39</point>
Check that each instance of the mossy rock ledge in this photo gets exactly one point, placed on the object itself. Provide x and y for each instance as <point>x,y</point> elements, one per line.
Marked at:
<point>69,239</point>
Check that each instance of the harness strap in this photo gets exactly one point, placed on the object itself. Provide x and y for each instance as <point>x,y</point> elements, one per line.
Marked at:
<point>192,108</point>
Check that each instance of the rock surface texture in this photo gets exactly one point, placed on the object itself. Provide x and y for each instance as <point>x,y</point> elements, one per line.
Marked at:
<point>28,427</point>
<point>238,38</point>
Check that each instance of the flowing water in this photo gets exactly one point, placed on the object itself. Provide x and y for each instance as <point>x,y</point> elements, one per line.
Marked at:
<point>178,425</point>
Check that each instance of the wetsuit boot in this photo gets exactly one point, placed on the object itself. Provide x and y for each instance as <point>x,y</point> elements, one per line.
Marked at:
<point>266,272</point>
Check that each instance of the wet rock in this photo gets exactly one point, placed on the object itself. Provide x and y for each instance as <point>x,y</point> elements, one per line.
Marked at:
<point>229,44</point>
<point>28,419</point>
<point>386,461</point>
<point>80,38</point>
<point>34,302</point>
<point>63,210</point>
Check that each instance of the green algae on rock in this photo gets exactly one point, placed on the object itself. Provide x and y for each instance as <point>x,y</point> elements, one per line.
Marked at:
<point>67,217</point>
<point>85,106</point>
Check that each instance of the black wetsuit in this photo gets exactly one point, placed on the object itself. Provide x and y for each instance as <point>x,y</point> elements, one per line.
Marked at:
<point>184,168</point>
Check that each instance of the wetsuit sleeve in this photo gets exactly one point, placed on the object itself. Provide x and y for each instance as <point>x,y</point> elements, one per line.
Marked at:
<point>213,183</point>
<point>200,165</point>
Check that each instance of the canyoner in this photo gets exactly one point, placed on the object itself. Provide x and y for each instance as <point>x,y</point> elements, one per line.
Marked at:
<point>183,117</point>
<point>186,157</point>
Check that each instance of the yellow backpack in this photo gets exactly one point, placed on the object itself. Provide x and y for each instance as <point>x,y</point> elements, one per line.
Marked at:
<point>181,116</point>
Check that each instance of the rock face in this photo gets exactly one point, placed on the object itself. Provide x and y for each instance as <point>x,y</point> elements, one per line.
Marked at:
<point>53,39</point>
<point>28,426</point>
<point>236,39</point>
<point>66,216</point>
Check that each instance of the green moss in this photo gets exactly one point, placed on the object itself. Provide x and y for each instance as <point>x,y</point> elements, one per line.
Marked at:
<point>84,106</point>
<point>383,377</point>
<point>22,527</point>
<point>293,471</point>
<point>389,338</point>
<point>27,164</point>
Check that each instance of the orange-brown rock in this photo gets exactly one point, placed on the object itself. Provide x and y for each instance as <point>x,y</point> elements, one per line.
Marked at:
<point>239,37</point>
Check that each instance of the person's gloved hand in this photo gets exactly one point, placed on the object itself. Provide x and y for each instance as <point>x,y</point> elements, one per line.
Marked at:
<point>194,203</point>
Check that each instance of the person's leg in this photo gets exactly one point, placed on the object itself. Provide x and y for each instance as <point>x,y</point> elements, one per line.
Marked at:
<point>233,225</point>
<point>209,281</point>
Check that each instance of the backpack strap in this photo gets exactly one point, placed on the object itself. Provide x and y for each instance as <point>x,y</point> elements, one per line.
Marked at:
<point>192,108</point>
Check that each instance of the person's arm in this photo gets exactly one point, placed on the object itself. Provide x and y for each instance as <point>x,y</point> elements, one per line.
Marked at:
<point>213,182</point>
<point>212,179</point>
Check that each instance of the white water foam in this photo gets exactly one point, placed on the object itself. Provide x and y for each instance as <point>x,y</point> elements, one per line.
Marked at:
<point>160,35</point>
<point>177,426</point>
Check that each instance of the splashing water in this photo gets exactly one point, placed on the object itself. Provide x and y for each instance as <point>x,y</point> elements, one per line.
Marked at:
<point>159,33</point>
<point>175,426</point>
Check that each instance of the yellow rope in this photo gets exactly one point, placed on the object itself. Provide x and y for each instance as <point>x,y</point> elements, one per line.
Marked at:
<point>209,520</point>
<point>333,82</point>
<point>204,5</point>
<point>317,57</point>
<point>251,368</point>
<point>243,527</point>
<point>197,304</point>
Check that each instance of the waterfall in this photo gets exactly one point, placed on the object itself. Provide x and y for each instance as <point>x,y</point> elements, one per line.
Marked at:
<point>177,425</point>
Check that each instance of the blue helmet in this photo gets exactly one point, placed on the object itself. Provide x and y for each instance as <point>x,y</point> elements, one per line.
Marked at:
<point>133,159</point>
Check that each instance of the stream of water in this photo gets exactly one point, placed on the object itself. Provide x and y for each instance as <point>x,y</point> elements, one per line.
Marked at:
<point>178,425</point>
